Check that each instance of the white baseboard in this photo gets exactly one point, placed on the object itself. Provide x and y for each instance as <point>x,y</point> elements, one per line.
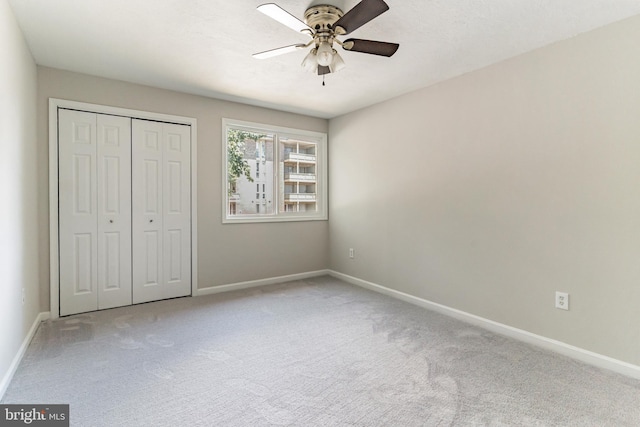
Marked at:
<point>568,350</point>
<point>8,376</point>
<point>261,282</point>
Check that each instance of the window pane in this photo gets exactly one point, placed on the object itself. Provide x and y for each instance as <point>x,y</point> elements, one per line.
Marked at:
<point>298,177</point>
<point>273,173</point>
<point>249,163</point>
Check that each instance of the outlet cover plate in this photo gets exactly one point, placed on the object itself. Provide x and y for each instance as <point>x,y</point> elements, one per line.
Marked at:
<point>562,300</point>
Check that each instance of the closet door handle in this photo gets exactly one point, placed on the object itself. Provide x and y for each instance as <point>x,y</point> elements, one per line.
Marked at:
<point>150,220</point>
<point>111,221</point>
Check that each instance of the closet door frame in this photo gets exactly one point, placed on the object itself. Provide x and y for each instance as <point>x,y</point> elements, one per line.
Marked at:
<point>54,260</point>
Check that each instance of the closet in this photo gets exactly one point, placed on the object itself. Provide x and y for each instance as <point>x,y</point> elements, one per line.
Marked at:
<point>124,210</point>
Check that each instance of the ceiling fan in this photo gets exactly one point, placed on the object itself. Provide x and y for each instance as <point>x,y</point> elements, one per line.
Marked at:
<point>324,23</point>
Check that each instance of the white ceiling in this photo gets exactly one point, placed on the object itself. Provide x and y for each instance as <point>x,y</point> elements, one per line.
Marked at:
<point>204,46</point>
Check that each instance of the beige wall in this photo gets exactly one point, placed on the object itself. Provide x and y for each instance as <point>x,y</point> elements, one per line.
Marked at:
<point>18,183</point>
<point>227,253</point>
<point>489,192</point>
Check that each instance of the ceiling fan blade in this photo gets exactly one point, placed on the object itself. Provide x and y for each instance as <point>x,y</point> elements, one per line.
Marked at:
<point>274,11</point>
<point>371,46</point>
<point>279,51</point>
<point>322,70</point>
<point>361,13</point>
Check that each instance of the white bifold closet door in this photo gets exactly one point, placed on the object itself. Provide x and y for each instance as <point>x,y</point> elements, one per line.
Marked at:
<point>124,210</point>
<point>161,210</point>
<point>94,210</point>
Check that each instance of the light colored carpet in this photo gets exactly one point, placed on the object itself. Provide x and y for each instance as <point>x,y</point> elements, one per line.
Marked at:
<point>308,353</point>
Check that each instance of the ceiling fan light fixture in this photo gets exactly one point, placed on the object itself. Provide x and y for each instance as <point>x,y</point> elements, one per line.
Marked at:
<point>310,62</point>
<point>337,64</point>
<point>325,54</point>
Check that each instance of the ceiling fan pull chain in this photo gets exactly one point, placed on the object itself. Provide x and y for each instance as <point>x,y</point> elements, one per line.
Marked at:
<point>323,80</point>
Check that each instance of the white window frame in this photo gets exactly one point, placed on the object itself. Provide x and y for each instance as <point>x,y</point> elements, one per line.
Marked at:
<point>321,214</point>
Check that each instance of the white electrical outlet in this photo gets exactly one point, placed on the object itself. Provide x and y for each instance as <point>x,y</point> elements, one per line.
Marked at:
<point>352,253</point>
<point>562,300</point>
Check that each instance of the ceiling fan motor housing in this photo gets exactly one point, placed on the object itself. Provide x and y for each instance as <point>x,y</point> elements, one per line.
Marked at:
<point>322,17</point>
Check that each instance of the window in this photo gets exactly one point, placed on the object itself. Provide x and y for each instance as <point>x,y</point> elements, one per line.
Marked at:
<point>287,166</point>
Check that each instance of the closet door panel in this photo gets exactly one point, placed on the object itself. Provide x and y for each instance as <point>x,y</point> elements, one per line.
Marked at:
<point>177,210</point>
<point>114,211</point>
<point>161,210</point>
<point>147,221</point>
<point>77,195</point>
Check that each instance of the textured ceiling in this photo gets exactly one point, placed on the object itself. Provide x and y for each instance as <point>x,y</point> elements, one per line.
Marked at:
<point>204,46</point>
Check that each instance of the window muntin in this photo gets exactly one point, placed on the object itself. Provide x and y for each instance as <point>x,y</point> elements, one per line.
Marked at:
<point>287,166</point>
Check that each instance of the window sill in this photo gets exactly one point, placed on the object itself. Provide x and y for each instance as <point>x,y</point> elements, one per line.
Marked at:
<point>280,218</point>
